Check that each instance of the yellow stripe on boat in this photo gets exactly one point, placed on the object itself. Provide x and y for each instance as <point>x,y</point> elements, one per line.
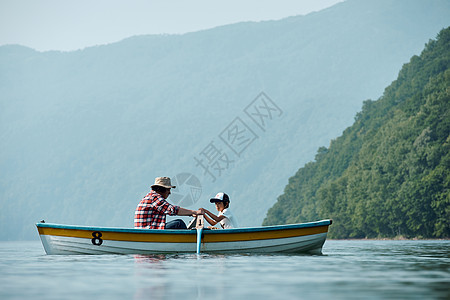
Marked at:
<point>121,236</point>
<point>212,237</point>
<point>186,237</point>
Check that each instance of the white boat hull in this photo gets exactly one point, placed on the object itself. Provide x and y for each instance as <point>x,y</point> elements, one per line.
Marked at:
<point>67,239</point>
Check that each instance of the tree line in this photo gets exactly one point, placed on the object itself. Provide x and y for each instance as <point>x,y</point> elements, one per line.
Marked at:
<point>388,175</point>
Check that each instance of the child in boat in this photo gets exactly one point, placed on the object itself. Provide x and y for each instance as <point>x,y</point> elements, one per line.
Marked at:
<point>225,218</point>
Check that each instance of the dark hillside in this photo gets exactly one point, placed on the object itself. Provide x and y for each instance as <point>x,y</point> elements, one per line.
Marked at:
<point>389,173</point>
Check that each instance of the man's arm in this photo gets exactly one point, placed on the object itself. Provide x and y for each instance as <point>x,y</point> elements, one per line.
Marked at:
<point>188,212</point>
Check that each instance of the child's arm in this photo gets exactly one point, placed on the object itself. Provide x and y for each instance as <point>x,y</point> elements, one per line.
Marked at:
<point>214,219</point>
<point>210,221</point>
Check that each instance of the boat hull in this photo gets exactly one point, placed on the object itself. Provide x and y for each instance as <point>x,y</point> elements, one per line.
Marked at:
<point>296,238</point>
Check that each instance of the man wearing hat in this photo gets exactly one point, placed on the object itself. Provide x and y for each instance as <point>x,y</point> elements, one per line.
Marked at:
<point>225,218</point>
<point>152,210</point>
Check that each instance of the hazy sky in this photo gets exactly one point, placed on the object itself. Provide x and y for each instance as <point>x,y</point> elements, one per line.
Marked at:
<point>70,25</point>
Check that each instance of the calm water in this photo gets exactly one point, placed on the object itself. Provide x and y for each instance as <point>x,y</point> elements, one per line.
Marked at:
<point>347,270</point>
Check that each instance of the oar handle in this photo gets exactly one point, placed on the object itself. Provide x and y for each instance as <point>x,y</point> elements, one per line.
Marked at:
<point>200,222</point>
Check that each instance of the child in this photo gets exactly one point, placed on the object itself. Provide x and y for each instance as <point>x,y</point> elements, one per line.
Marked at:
<point>225,217</point>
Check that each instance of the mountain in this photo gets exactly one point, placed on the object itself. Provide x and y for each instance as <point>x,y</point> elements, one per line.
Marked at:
<point>388,174</point>
<point>237,108</point>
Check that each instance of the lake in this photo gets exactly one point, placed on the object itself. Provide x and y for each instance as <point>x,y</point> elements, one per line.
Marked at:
<point>369,269</point>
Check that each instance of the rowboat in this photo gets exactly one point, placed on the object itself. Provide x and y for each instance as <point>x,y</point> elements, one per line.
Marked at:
<point>294,238</point>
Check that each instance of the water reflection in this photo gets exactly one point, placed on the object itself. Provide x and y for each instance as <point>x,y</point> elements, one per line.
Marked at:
<point>148,288</point>
<point>192,276</point>
<point>152,261</point>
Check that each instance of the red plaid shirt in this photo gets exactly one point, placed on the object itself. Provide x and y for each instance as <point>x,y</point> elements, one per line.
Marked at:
<point>152,210</point>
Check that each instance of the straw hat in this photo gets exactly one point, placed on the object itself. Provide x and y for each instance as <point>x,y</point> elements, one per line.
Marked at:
<point>164,182</point>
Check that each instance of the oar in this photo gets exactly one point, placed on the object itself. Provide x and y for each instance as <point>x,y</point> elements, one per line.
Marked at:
<point>199,227</point>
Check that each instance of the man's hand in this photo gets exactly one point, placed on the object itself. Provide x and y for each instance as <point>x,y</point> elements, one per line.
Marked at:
<point>198,212</point>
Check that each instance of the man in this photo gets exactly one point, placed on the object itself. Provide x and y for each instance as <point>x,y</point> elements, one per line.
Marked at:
<point>152,210</point>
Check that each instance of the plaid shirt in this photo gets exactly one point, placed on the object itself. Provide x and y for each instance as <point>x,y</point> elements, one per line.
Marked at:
<point>152,210</point>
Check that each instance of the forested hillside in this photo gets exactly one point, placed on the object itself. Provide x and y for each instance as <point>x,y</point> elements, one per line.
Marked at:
<point>388,174</point>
